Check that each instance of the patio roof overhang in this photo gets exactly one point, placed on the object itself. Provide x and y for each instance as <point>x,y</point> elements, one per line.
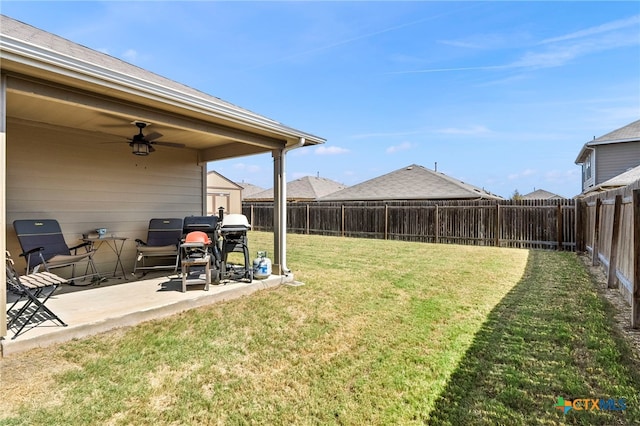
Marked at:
<point>49,87</point>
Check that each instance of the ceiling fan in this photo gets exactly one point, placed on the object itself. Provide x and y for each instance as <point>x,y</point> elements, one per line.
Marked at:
<point>143,145</point>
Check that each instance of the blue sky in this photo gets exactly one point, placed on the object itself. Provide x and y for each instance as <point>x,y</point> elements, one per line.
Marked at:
<point>502,95</point>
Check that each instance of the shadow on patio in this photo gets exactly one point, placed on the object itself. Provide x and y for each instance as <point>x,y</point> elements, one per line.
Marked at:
<point>118,303</point>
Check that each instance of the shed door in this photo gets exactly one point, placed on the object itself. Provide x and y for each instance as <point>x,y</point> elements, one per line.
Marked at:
<point>216,200</point>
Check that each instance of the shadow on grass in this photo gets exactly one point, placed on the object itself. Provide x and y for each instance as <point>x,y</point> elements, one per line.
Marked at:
<point>551,336</point>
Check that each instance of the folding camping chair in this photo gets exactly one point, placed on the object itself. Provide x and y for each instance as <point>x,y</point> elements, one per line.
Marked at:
<point>163,240</point>
<point>35,290</point>
<point>195,252</point>
<point>43,245</point>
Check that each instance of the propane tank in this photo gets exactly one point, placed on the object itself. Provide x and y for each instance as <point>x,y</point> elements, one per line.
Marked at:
<point>261,266</point>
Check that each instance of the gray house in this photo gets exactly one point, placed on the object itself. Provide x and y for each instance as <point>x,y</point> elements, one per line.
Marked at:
<point>619,181</point>
<point>413,182</point>
<point>605,157</point>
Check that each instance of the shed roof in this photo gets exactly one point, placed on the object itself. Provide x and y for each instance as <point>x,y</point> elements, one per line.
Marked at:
<point>231,184</point>
<point>628,133</point>
<point>413,182</point>
<point>304,188</point>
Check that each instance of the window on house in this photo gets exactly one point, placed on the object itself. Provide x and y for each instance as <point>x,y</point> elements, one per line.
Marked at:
<point>587,168</point>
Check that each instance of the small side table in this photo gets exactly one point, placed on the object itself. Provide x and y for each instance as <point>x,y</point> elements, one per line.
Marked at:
<point>115,243</point>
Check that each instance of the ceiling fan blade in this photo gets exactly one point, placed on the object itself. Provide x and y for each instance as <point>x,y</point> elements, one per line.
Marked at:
<point>173,144</point>
<point>152,136</point>
<point>126,140</point>
<point>151,148</point>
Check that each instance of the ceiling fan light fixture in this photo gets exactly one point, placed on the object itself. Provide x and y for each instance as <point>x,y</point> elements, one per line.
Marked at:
<point>140,148</point>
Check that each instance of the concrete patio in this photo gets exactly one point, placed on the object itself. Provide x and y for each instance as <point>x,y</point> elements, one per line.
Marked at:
<point>98,308</point>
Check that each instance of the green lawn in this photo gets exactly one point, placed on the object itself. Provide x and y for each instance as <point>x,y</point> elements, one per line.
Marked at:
<point>381,333</point>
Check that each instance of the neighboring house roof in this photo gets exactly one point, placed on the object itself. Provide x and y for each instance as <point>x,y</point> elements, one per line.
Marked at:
<point>306,188</point>
<point>628,133</point>
<point>411,183</point>
<point>248,189</point>
<point>541,194</point>
<point>623,179</point>
<point>216,128</point>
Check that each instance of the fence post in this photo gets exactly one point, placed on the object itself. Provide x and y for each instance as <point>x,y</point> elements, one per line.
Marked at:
<point>615,232</point>
<point>596,234</point>
<point>579,224</point>
<point>342,219</point>
<point>560,227</point>
<point>635,280</point>
<point>437,224</point>
<point>497,226</point>
<point>308,219</point>
<point>386,221</point>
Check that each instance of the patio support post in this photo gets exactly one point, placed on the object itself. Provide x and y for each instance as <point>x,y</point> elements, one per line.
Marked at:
<point>280,208</point>
<point>278,175</point>
<point>3,200</point>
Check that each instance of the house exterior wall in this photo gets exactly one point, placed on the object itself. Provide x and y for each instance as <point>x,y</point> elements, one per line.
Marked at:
<point>614,159</point>
<point>221,192</point>
<point>88,180</point>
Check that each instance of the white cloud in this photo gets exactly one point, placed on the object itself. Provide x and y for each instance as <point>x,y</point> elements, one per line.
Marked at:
<point>523,174</point>
<point>557,51</point>
<point>609,26</point>
<point>250,168</point>
<point>330,150</point>
<point>572,175</point>
<point>130,55</point>
<point>404,146</point>
<point>474,130</point>
<point>384,135</point>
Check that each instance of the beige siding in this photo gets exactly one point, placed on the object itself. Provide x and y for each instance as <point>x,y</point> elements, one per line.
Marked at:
<point>88,181</point>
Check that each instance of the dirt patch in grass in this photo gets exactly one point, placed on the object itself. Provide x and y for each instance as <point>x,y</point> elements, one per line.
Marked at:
<point>25,379</point>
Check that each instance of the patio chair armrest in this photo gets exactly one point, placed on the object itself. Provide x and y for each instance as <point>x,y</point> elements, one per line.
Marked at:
<point>85,244</point>
<point>30,252</point>
<point>139,242</point>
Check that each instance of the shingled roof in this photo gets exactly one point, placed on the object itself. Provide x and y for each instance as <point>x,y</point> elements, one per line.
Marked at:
<point>307,188</point>
<point>541,194</point>
<point>623,179</point>
<point>628,133</point>
<point>249,189</point>
<point>413,182</point>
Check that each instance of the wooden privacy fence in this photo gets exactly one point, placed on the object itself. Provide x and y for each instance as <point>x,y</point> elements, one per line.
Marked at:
<point>608,228</point>
<point>546,224</point>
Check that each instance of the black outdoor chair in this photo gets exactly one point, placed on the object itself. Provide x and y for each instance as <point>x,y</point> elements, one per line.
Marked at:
<point>43,245</point>
<point>161,249</point>
<point>33,291</point>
